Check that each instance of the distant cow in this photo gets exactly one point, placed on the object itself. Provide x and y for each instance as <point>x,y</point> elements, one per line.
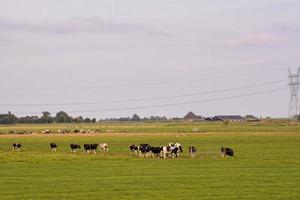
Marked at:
<point>74,147</point>
<point>109,130</point>
<point>90,147</point>
<point>192,151</point>
<point>103,146</point>
<point>156,151</point>
<point>53,146</point>
<point>16,146</point>
<point>144,150</point>
<point>134,148</point>
<point>227,151</point>
<point>46,131</point>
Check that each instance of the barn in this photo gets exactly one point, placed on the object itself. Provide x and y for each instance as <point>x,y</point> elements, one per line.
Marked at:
<point>191,117</point>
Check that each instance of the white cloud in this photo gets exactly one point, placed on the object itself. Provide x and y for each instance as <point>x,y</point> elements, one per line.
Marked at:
<point>256,39</point>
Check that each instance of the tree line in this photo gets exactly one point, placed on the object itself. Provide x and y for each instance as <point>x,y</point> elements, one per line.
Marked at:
<point>60,117</point>
<point>63,117</point>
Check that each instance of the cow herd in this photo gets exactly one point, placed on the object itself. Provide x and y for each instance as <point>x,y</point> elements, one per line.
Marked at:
<point>172,150</point>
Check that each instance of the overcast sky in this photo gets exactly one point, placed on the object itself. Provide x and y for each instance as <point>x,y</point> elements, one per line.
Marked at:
<point>64,52</point>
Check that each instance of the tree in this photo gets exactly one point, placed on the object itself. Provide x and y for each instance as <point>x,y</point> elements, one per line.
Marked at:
<point>46,114</point>
<point>46,118</point>
<point>8,118</point>
<point>78,119</point>
<point>135,117</point>
<point>63,117</point>
<point>87,120</point>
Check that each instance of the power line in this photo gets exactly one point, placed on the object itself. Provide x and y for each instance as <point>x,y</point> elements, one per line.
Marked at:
<point>141,84</point>
<point>175,104</point>
<point>146,99</point>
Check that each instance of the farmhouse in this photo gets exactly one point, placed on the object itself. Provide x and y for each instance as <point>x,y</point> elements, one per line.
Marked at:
<point>231,118</point>
<point>191,117</point>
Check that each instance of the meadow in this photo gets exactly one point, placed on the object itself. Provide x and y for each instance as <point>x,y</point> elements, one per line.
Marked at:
<point>266,164</point>
<point>161,127</point>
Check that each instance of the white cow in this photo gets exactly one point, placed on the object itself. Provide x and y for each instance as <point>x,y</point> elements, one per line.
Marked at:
<point>165,152</point>
<point>103,146</point>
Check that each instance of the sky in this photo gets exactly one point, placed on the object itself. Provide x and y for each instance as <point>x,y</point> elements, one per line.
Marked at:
<point>114,58</point>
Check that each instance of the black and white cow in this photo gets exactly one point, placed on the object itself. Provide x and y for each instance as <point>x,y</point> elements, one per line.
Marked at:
<point>16,146</point>
<point>145,149</point>
<point>227,151</point>
<point>165,151</point>
<point>53,146</point>
<point>156,151</point>
<point>74,147</point>
<point>90,147</point>
<point>103,146</point>
<point>174,151</point>
<point>134,148</point>
<point>175,148</point>
<point>192,151</point>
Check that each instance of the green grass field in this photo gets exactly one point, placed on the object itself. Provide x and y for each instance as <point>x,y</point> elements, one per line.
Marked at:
<point>161,127</point>
<point>266,166</point>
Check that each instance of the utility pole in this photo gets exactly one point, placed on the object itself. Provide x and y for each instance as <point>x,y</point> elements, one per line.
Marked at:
<point>294,82</point>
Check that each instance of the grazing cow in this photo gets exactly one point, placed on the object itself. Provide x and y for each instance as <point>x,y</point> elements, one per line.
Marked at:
<point>16,146</point>
<point>90,147</point>
<point>103,146</point>
<point>145,149</point>
<point>174,151</point>
<point>53,146</point>
<point>134,148</point>
<point>87,148</point>
<point>74,147</point>
<point>172,145</point>
<point>165,151</point>
<point>46,131</point>
<point>192,151</point>
<point>63,131</point>
<point>156,151</point>
<point>227,151</point>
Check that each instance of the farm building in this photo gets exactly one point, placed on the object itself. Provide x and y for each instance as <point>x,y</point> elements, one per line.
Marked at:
<point>192,117</point>
<point>251,118</point>
<point>231,118</point>
<point>208,119</point>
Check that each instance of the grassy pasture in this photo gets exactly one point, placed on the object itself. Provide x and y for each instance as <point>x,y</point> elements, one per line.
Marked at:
<point>159,127</point>
<point>266,166</point>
